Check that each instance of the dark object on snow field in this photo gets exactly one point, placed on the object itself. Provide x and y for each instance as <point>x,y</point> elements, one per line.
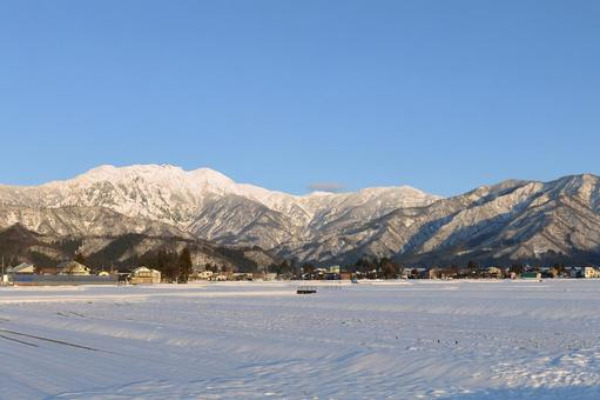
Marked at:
<point>306,290</point>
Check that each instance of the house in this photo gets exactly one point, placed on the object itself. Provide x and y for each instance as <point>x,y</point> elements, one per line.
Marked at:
<point>204,275</point>
<point>590,273</point>
<point>494,272</point>
<point>144,275</point>
<point>553,272</point>
<point>46,270</point>
<point>531,275</point>
<point>241,276</point>
<point>72,267</point>
<point>418,273</point>
<point>433,273</point>
<point>265,276</point>
<point>23,268</point>
<point>335,269</point>
<point>270,276</point>
<point>287,276</point>
<point>321,274</point>
<point>345,275</point>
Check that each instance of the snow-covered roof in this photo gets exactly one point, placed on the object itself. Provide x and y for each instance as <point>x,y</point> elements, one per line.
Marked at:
<point>23,268</point>
<point>139,270</point>
<point>72,266</point>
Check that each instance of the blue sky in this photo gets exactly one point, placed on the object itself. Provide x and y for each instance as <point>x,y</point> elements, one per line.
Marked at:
<point>440,95</point>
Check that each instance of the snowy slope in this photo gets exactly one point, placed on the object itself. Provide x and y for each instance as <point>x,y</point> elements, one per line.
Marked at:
<point>509,221</point>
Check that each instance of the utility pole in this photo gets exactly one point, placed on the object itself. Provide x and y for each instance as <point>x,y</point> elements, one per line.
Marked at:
<point>2,277</point>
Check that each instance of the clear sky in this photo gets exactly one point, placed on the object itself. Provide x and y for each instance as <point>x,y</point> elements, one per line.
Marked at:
<point>441,95</point>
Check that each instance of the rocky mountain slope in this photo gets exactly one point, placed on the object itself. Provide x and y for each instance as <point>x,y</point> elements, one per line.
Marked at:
<point>508,221</point>
<point>514,220</point>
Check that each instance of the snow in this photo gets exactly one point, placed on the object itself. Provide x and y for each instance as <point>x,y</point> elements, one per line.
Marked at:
<point>204,182</point>
<point>395,340</point>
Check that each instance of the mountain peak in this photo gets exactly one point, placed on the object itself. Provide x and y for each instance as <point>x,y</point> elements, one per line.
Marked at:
<point>207,178</point>
<point>163,174</point>
<point>210,175</point>
<point>107,172</point>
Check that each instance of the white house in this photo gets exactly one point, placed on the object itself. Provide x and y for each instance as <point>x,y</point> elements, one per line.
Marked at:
<point>143,275</point>
<point>590,273</point>
<point>204,275</point>
<point>270,276</point>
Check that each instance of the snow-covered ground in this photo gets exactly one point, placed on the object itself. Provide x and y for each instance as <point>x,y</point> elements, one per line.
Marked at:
<point>416,340</point>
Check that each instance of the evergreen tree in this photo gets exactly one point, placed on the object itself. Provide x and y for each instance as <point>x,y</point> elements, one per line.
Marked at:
<point>389,269</point>
<point>308,268</point>
<point>185,265</point>
<point>168,264</point>
<point>517,267</point>
<point>473,266</point>
<point>210,267</point>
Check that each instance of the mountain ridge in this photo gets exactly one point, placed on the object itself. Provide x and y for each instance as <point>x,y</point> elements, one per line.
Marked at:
<point>514,219</point>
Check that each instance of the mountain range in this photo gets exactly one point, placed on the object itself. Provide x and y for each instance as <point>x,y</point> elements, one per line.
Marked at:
<point>119,214</point>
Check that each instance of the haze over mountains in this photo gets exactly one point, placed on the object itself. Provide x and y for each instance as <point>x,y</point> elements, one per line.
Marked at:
<point>124,212</point>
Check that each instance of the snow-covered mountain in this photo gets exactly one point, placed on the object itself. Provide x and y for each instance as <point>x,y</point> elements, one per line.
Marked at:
<point>514,219</point>
<point>201,203</point>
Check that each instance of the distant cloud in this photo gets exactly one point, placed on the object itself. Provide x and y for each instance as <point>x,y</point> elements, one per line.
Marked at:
<point>333,187</point>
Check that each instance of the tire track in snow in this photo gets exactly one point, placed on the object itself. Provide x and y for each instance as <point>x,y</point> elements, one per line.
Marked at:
<point>55,341</point>
<point>19,341</point>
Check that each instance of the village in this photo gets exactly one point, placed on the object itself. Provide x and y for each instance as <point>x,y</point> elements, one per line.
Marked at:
<point>72,272</point>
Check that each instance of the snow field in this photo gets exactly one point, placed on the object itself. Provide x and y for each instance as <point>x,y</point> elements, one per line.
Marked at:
<point>405,340</point>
